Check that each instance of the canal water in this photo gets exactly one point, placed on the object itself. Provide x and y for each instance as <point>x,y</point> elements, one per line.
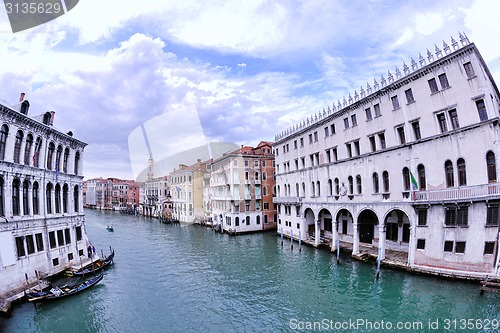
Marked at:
<point>176,278</point>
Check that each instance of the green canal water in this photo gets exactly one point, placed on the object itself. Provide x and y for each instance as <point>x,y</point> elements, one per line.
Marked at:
<point>174,278</point>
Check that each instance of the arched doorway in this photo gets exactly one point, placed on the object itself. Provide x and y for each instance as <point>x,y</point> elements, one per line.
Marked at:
<point>367,221</point>
<point>309,216</point>
<point>326,225</point>
<point>397,230</point>
<point>345,225</point>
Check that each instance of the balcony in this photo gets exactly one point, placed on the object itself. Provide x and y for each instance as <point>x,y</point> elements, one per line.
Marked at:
<point>287,200</point>
<point>460,193</point>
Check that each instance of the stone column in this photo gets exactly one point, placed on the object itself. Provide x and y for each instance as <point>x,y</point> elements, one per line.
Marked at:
<point>335,235</point>
<point>355,238</point>
<point>381,240</point>
<point>317,232</point>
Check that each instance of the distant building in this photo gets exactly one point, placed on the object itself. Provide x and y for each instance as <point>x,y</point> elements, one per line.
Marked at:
<point>112,194</point>
<point>242,188</point>
<point>187,192</point>
<point>407,164</point>
<point>41,213</point>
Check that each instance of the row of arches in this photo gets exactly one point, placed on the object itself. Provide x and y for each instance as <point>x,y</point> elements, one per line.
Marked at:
<point>23,198</point>
<point>27,150</point>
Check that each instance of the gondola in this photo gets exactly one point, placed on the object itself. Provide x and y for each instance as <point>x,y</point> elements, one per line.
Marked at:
<point>94,267</point>
<point>63,291</point>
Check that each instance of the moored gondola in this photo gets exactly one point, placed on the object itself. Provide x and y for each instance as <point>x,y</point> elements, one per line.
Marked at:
<point>63,291</point>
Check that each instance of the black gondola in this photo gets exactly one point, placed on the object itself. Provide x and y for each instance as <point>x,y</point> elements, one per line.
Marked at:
<point>63,291</point>
<point>94,267</point>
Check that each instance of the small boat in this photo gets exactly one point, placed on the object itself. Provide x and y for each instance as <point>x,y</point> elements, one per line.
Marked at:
<point>94,267</point>
<point>63,291</point>
<point>110,228</point>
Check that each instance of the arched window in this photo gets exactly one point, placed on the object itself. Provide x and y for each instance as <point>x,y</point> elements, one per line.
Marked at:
<point>257,219</point>
<point>26,203</point>
<point>358,184</point>
<point>17,146</point>
<point>313,189</point>
<point>303,189</point>
<point>50,155</point>
<point>297,189</point>
<point>318,188</point>
<point>77,162</point>
<point>279,191</point>
<point>351,184</point>
<point>58,158</point>
<point>385,181</point>
<point>57,197</point>
<point>65,160</point>
<point>46,118</point>
<point>264,175</point>
<point>36,206</point>
<point>236,221</point>
<point>65,198</point>
<point>337,186</point>
<point>4,133</point>
<point>76,198</point>
<point>48,196</point>
<point>376,188</point>
<point>422,184</point>
<point>462,174</point>
<point>330,187</point>
<point>448,170</point>
<point>36,154</point>
<point>2,198</point>
<point>27,149</point>
<point>406,179</point>
<point>15,197</point>
<point>491,167</point>
<point>248,220</point>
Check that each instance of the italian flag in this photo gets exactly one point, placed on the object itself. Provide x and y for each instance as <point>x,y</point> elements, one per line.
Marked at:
<point>413,182</point>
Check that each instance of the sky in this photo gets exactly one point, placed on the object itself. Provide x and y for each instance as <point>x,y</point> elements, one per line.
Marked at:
<point>134,78</point>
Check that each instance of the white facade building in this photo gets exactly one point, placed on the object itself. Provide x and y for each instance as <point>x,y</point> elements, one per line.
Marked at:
<point>406,164</point>
<point>41,212</point>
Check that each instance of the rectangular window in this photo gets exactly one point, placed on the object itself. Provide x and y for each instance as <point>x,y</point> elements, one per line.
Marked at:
<point>454,119</point>
<point>266,205</point>
<point>469,70</point>
<point>315,136</point>
<point>376,109</point>
<point>481,109</point>
<point>326,131</point>
<point>444,81</point>
<point>489,247</point>
<point>335,156</point>
<point>416,130</point>
<point>433,86</point>
<point>448,246</point>
<point>420,244</point>
<point>349,149</point>
<point>409,96</point>
<point>295,144</point>
<point>39,242</point>
<point>346,123</point>
<point>30,244</point>
<point>332,128</point>
<point>356,148</point>
<point>78,234</point>
<point>55,261</point>
<point>310,138</point>
<point>460,247</point>
<point>302,142</point>
<point>401,135</point>
<point>381,137</point>
<point>67,236</point>
<point>368,113</point>
<point>442,123</point>
<point>354,121</point>
<point>422,217</point>
<point>462,216</point>
<point>373,145</point>
<point>52,239</point>
<point>21,252</point>
<point>328,156</point>
<point>492,215</point>
<point>303,161</point>
<point>60,238</point>
<point>395,102</point>
<point>70,256</point>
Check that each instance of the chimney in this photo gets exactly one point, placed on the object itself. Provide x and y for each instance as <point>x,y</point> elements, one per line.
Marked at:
<point>52,115</point>
<point>21,98</point>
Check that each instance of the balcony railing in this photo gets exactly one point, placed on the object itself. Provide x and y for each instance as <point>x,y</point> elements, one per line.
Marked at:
<point>289,200</point>
<point>459,193</point>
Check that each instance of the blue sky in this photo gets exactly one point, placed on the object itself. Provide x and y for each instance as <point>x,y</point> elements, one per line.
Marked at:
<point>236,71</point>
